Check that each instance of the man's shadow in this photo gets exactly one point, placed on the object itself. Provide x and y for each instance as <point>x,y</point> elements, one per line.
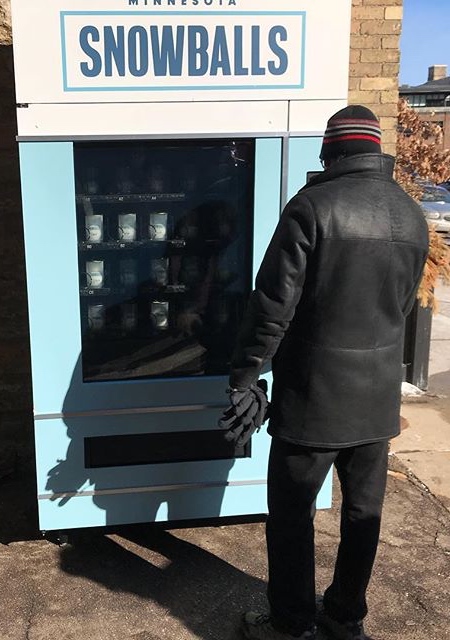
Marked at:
<point>206,594</point>
<point>129,488</point>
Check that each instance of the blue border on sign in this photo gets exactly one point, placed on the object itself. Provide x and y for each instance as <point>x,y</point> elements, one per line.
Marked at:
<point>67,88</point>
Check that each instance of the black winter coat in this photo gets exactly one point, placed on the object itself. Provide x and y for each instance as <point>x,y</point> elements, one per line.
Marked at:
<point>337,281</point>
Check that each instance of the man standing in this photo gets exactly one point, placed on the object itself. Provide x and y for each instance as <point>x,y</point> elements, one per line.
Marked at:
<point>337,281</point>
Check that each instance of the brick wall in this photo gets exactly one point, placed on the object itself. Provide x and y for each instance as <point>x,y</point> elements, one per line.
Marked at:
<point>374,61</point>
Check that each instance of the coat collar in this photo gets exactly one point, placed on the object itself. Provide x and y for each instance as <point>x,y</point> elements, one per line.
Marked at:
<point>364,163</point>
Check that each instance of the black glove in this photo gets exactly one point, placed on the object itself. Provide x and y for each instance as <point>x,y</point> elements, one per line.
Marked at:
<point>248,411</point>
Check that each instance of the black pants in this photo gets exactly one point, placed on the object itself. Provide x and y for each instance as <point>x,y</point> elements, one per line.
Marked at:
<point>295,476</point>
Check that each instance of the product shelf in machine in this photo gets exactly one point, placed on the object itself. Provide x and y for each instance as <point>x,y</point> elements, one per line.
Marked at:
<point>131,198</point>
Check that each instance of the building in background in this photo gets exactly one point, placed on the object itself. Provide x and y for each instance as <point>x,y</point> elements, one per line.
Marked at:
<point>432,99</point>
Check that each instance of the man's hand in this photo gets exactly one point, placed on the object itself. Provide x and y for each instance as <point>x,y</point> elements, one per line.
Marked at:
<point>247,412</point>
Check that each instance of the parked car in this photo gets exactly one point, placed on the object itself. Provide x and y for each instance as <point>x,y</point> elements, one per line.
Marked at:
<point>435,203</point>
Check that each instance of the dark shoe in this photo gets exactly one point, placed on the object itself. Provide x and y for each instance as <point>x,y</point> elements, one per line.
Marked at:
<point>257,626</point>
<point>353,630</point>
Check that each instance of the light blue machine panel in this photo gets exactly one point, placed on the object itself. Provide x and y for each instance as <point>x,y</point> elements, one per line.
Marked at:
<point>73,415</point>
<point>303,158</point>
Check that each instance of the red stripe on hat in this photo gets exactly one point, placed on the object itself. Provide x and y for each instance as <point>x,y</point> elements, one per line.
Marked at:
<point>354,137</point>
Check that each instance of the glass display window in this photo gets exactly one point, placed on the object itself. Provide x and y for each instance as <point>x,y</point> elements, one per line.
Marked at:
<point>165,236</point>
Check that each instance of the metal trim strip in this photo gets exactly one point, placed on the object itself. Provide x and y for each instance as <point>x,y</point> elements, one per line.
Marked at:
<point>306,134</point>
<point>171,136</point>
<point>154,489</point>
<point>126,412</point>
<point>284,172</point>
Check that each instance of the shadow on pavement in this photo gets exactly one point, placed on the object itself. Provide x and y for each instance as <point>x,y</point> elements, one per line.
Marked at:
<point>205,593</point>
<point>439,383</point>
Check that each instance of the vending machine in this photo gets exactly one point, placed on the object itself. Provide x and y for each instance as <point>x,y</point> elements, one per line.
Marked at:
<point>159,141</point>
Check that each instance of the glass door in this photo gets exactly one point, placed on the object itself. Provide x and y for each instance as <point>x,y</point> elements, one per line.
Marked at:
<point>165,236</point>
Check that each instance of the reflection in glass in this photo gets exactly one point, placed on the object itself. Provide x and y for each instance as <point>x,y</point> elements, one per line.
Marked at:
<point>165,252</point>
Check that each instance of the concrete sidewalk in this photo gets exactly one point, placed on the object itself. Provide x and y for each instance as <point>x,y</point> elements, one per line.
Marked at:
<point>148,583</point>
<point>424,447</point>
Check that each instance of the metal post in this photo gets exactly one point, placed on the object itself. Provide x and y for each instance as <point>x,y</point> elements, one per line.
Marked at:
<point>416,352</point>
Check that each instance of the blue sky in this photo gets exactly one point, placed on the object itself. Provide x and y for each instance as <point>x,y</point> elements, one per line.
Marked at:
<point>425,39</point>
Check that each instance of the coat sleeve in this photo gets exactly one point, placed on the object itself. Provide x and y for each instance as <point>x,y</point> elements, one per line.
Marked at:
<point>278,289</point>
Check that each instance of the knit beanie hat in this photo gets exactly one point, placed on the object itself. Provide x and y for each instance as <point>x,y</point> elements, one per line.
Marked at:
<point>352,130</point>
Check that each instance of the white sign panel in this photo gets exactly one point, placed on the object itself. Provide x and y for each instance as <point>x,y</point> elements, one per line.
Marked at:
<point>154,51</point>
<point>180,50</point>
